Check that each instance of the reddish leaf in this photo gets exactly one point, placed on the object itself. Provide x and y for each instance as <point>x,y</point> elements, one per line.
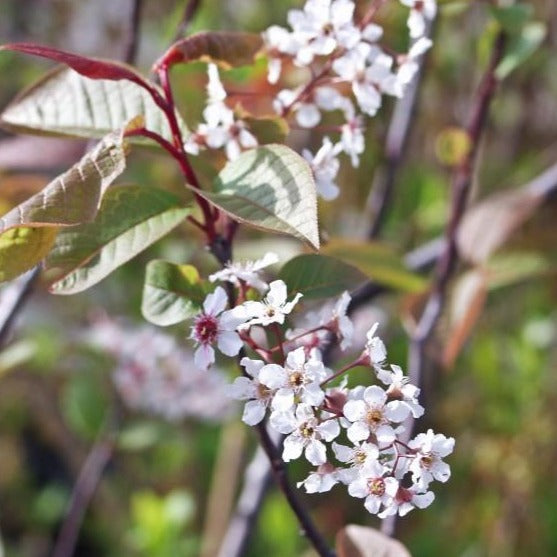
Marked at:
<point>93,68</point>
<point>225,48</point>
<point>359,541</point>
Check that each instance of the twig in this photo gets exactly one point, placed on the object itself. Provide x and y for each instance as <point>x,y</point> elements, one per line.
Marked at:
<point>384,179</point>
<point>278,468</point>
<point>12,306</point>
<point>83,491</point>
<point>449,258</point>
<point>255,484</point>
<point>187,17</point>
<point>132,38</point>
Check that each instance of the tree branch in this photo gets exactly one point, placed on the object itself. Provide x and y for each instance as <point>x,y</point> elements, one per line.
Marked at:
<point>255,484</point>
<point>447,262</point>
<point>11,306</point>
<point>83,491</point>
<point>132,37</point>
<point>187,17</point>
<point>384,179</point>
<point>278,468</point>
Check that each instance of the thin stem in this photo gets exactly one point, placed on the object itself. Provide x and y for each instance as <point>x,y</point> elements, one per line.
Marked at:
<point>281,477</point>
<point>190,10</point>
<point>447,262</point>
<point>278,335</point>
<point>132,38</point>
<point>361,360</point>
<point>255,484</point>
<point>12,306</point>
<point>400,127</point>
<point>83,491</point>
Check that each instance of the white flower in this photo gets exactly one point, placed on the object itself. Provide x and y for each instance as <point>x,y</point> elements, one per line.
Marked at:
<point>420,12</point>
<point>375,487</point>
<point>341,322</point>
<point>247,272</point>
<point>278,42</point>
<point>256,393</point>
<point>325,166</point>
<point>409,65</point>
<point>305,434</point>
<point>407,499</point>
<point>372,415</point>
<point>427,465</point>
<point>209,329</point>
<point>375,348</point>
<point>400,391</point>
<point>352,139</point>
<point>360,457</point>
<point>321,27</point>
<point>321,480</point>
<point>298,381</point>
<point>273,308</point>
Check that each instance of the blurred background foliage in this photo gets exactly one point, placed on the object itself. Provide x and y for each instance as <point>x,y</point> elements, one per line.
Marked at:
<point>496,392</point>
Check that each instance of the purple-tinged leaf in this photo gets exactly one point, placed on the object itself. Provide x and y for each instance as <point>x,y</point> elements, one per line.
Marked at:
<point>226,48</point>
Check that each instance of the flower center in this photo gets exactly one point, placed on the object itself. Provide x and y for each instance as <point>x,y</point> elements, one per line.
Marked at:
<point>376,486</point>
<point>426,461</point>
<point>263,391</point>
<point>374,417</point>
<point>296,379</point>
<point>359,457</point>
<point>307,430</point>
<point>205,329</point>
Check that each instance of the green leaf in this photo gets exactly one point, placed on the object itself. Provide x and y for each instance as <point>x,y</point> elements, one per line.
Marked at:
<point>85,404</point>
<point>378,262</point>
<point>520,47</point>
<point>270,129</point>
<point>225,48</point>
<point>23,248</point>
<point>319,276</point>
<point>172,293</point>
<point>65,103</point>
<point>270,188</point>
<point>72,197</point>
<point>130,219</point>
<point>512,18</point>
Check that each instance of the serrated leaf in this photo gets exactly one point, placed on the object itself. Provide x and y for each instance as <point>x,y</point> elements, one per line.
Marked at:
<point>360,541</point>
<point>271,188</point>
<point>23,248</point>
<point>319,276</point>
<point>520,47</point>
<point>72,197</point>
<point>64,103</point>
<point>378,262</point>
<point>172,293</point>
<point>130,219</point>
<point>225,48</point>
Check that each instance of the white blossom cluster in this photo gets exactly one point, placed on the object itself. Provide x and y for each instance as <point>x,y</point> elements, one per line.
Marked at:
<point>343,54</point>
<point>346,61</point>
<point>353,436</point>
<point>154,374</point>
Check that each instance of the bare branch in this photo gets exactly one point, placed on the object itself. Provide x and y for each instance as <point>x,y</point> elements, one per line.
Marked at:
<point>190,11</point>
<point>12,305</point>
<point>447,262</point>
<point>132,37</point>
<point>256,482</point>
<point>83,491</point>
<point>400,127</point>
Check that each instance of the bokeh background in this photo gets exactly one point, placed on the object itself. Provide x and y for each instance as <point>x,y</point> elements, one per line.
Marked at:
<point>175,450</point>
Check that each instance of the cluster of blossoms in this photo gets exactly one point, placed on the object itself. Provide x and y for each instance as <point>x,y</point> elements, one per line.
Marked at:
<point>154,374</point>
<point>345,61</point>
<point>353,436</point>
